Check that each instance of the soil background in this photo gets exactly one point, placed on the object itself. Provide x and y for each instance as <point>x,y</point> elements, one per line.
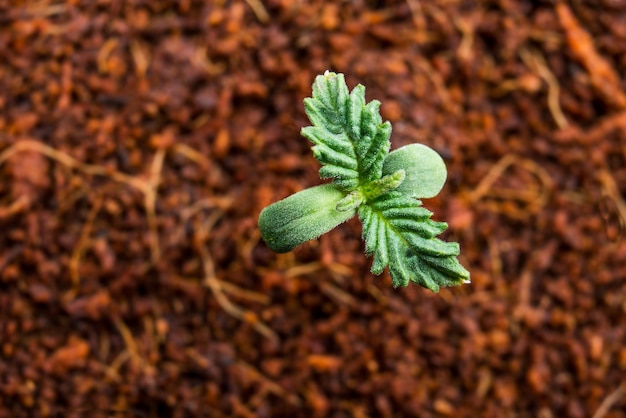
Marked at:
<point>139,141</point>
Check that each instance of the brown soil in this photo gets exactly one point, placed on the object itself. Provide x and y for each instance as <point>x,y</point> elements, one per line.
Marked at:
<point>140,140</point>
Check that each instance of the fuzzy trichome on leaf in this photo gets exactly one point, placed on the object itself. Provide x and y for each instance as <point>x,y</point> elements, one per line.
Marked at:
<point>399,233</point>
<point>350,139</point>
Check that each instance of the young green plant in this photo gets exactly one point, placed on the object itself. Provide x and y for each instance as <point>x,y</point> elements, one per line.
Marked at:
<point>383,188</point>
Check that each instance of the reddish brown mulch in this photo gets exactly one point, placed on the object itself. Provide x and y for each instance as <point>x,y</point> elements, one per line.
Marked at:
<point>139,141</point>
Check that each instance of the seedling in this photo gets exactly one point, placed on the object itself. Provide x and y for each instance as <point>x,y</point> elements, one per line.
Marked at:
<point>352,143</point>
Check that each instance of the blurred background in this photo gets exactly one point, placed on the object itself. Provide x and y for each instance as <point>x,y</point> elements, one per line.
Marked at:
<point>139,140</point>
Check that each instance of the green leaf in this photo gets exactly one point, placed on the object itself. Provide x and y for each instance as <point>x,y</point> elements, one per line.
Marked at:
<point>301,217</point>
<point>425,170</point>
<point>349,137</point>
<point>375,188</point>
<point>399,233</point>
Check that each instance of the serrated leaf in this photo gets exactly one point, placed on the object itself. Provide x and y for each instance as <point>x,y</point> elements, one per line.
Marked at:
<point>349,137</point>
<point>399,233</point>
